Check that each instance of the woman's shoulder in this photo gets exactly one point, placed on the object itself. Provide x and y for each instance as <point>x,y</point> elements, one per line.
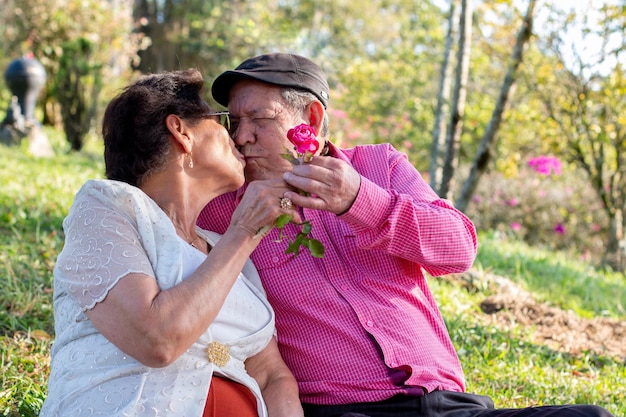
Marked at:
<point>118,196</point>
<point>109,188</point>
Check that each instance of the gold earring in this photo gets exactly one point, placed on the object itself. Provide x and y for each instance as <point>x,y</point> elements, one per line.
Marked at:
<point>190,159</point>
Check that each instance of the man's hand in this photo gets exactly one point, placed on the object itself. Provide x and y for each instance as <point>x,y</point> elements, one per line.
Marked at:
<point>331,183</point>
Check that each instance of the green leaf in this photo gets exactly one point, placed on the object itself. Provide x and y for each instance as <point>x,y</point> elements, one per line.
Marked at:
<point>282,220</point>
<point>306,228</point>
<point>294,247</point>
<point>316,248</point>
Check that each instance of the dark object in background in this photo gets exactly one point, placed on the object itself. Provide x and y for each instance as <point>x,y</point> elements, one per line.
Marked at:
<point>25,77</point>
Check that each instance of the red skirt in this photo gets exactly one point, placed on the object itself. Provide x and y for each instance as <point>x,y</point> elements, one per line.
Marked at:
<point>228,398</point>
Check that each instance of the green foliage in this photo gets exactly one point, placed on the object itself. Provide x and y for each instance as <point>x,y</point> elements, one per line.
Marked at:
<point>386,79</point>
<point>384,61</point>
<point>517,373</point>
<point>43,27</point>
<point>77,85</point>
<point>558,212</point>
<point>315,247</point>
<point>581,97</point>
<point>210,35</point>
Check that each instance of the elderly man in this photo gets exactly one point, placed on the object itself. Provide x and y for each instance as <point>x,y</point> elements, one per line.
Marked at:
<point>359,328</point>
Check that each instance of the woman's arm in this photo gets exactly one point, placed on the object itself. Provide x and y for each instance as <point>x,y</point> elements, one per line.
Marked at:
<point>156,326</point>
<point>278,386</point>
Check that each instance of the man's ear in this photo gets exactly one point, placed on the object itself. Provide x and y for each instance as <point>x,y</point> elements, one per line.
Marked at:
<point>178,129</point>
<point>315,112</point>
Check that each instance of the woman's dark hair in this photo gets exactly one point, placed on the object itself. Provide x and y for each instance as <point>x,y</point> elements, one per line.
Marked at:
<point>135,136</point>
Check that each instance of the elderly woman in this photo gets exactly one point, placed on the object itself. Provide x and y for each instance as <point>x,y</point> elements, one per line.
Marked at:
<point>154,316</point>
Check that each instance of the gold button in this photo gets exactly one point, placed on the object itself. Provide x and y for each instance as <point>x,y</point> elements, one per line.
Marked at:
<point>218,353</point>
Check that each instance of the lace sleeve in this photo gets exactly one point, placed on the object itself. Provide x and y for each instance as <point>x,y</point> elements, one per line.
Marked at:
<point>102,245</point>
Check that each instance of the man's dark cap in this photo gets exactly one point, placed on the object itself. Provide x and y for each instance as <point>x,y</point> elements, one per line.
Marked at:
<point>281,69</point>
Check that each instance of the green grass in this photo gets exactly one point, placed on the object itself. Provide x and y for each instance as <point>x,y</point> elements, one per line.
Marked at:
<point>34,198</point>
<point>502,363</point>
<point>505,365</point>
<point>555,277</point>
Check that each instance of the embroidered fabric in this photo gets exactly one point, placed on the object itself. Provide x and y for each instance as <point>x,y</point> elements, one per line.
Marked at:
<point>114,229</point>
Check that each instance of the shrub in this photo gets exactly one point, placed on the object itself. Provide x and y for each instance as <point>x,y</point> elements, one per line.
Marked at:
<point>543,205</point>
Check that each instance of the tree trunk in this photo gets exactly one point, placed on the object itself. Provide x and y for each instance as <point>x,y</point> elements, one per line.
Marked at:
<point>163,22</point>
<point>614,253</point>
<point>489,139</point>
<point>457,111</point>
<point>443,98</point>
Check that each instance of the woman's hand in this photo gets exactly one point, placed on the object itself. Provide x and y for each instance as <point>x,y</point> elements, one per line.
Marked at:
<point>260,207</point>
<point>278,386</point>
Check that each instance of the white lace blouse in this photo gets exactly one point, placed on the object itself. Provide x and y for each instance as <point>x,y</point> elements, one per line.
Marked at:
<point>114,229</point>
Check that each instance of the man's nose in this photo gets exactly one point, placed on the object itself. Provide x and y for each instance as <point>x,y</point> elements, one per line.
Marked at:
<point>243,134</point>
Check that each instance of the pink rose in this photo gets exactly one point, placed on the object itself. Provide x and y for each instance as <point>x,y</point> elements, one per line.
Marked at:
<point>304,138</point>
<point>305,143</point>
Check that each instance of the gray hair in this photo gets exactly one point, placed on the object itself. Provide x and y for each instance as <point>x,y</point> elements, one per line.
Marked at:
<point>298,100</point>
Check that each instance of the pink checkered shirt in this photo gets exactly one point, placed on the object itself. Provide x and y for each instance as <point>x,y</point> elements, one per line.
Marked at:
<point>361,324</point>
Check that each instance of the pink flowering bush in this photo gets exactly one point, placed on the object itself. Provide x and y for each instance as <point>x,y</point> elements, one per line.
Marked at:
<point>545,165</point>
<point>543,205</point>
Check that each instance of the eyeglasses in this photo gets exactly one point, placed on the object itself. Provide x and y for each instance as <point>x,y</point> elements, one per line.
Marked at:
<point>224,118</point>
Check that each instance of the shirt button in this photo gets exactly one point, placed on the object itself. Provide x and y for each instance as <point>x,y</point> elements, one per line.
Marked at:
<point>344,287</point>
<point>370,323</point>
<point>275,259</point>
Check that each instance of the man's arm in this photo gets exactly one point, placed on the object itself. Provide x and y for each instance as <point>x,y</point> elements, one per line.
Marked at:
<point>393,209</point>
